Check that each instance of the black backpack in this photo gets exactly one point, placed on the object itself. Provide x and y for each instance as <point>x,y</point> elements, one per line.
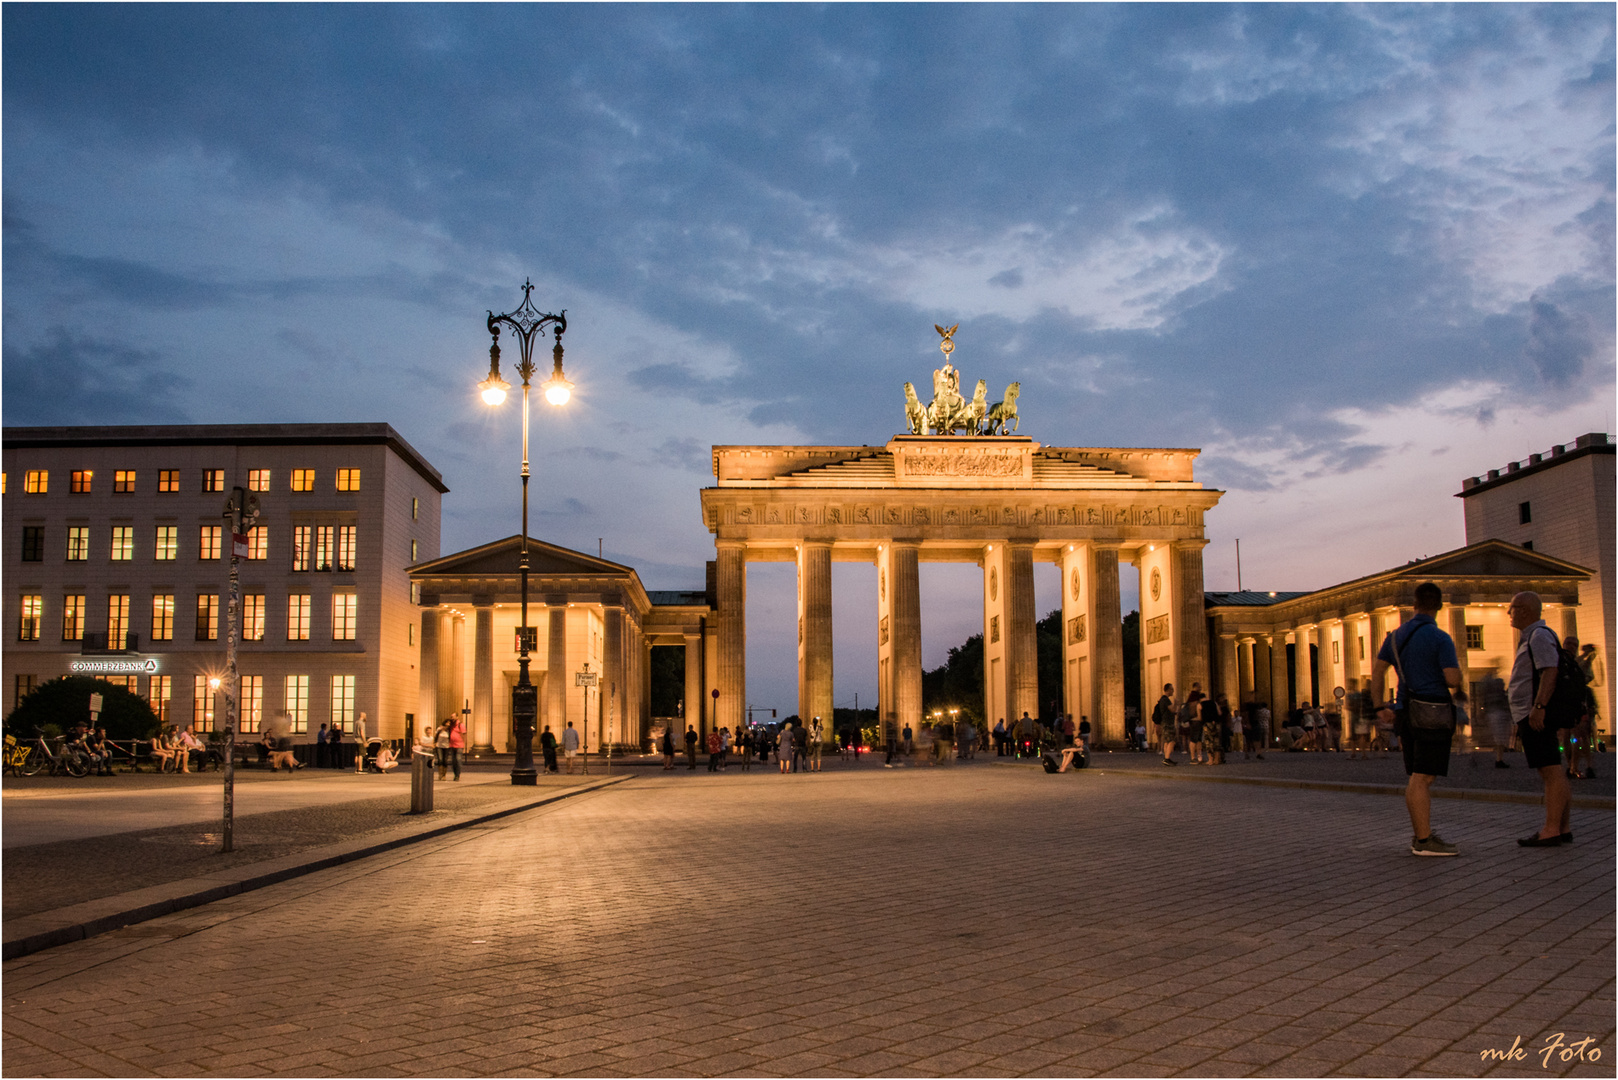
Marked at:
<point>1566,706</point>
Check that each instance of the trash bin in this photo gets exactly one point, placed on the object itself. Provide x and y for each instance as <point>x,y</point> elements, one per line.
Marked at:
<point>421,783</point>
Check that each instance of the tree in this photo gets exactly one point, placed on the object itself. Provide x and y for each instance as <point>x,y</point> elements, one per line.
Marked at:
<point>66,701</point>
<point>958,684</point>
<point>668,679</point>
<point>1132,660</point>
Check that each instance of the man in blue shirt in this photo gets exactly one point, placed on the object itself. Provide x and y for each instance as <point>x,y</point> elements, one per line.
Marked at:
<point>1428,669</point>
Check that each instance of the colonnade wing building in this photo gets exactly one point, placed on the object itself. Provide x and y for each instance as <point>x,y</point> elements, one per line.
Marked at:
<point>1000,502</point>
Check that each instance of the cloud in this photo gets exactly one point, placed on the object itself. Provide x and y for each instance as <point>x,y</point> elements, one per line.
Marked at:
<point>1558,341</point>
<point>75,379</point>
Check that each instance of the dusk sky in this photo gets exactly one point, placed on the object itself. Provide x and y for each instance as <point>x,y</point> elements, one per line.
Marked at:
<point>1354,254</point>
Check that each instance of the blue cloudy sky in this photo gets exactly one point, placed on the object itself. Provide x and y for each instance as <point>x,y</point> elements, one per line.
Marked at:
<point>1353,253</point>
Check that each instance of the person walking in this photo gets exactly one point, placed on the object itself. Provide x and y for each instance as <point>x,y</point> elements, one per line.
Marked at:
<point>1424,657</point>
<point>1580,735</point>
<point>690,748</point>
<point>334,752</point>
<point>1497,718</point>
<point>547,746</point>
<point>746,743</point>
<point>910,739</point>
<point>714,745</point>
<point>816,740</point>
<point>1534,674</point>
<point>320,747</point>
<point>667,746</point>
<point>783,746</point>
<point>1163,719</point>
<point>457,744</point>
<point>570,745</point>
<point>360,743</point>
<point>441,747</point>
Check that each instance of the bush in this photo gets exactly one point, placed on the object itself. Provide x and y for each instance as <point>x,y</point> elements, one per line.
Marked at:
<point>64,702</point>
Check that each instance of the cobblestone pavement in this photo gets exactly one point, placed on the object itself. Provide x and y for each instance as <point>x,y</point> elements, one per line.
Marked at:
<point>963,921</point>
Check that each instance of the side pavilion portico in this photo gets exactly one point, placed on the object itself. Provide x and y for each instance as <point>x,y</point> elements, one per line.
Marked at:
<point>1001,502</point>
<point>585,611</point>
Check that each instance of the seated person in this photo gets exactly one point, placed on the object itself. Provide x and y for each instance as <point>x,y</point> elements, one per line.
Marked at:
<point>386,760</point>
<point>281,755</point>
<point>190,750</point>
<point>265,746</point>
<point>99,747</point>
<point>161,752</point>
<point>1294,737</point>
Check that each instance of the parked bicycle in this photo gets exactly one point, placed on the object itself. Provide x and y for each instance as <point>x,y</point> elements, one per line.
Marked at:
<point>27,759</point>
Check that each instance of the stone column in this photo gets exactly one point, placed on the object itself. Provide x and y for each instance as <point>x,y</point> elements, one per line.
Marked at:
<point>643,664</point>
<point>732,620</point>
<point>482,732</point>
<point>427,667</point>
<point>613,689</point>
<point>1246,671</point>
<point>457,670</point>
<point>1230,675</point>
<point>1351,653</point>
<point>557,678</point>
<point>1280,693</point>
<point>1191,622</point>
<point>1380,627</point>
<point>1325,685</point>
<point>815,633</point>
<point>906,633</point>
<point>695,693</point>
<point>1022,650</point>
<point>1457,631</point>
<point>1107,646</point>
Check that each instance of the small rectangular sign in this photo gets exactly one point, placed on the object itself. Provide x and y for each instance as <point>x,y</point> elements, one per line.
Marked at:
<point>147,666</point>
<point>238,544</point>
<point>585,678</point>
<point>529,632</point>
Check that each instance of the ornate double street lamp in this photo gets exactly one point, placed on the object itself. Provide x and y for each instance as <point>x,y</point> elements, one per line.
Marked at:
<point>526,323</point>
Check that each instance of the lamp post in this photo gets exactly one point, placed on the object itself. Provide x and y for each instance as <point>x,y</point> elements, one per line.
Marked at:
<point>526,323</point>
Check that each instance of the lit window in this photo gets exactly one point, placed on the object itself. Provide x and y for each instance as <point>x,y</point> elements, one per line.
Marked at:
<point>251,705</point>
<point>78,543</point>
<point>213,480</point>
<point>73,617</point>
<point>162,693</point>
<point>123,543</point>
<point>163,617</point>
<point>347,541</point>
<point>253,617</point>
<point>79,481</point>
<point>348,479</point>
<point>2,492</point>
<point>24,685</point>
<point>168,481</point>
<point>415,509</point>
<point>118,621</point>
<point>168,543</point>
<point>302,540</point>
<point>415,592</point>
<point>325,537</point>
<point>1474,637</point>
<point>35,481</point>
<point>258,479</point>
<point>33,543</point>
<point>1362,647</point>
<point>201,704</point>
<point>414,550</point>
<point>258,542</point>
<point>297,702</point>
<point>298,607</point>
<point>342,703</point>
<point>208,540</point>
<point>1336,653</point>
<point>33,610</point>
<point>123,481</point>
<point>344,615</point>
<point>410,633</point>
<point>303,479</point>
<point>207,616</point>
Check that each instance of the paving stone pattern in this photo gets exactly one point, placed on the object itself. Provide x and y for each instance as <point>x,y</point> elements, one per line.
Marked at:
<point>963,921</point>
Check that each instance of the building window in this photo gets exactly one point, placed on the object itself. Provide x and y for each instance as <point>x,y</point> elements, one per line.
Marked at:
<point>79,481</point>
<point>208,540</point>
<point>213,480</point>
<point>1525,514</point>
<point>258,479</point>
<point>258,542</point>
<point>303,479</point>
<point>36,481</point>
<point>1528,545</point>
<point>251,705</point>
<point>253,617</point>
<point>168,481</point>
<point>123,543</point>
<point>33,543</point>
<point>167,546</point>
<point>415,592</point>
<point>415,509</point>
<point>207,616</point>
<point>1362,647</point>
<point>344,615</point>
<point>297,702</point>
<point>325,536</point>
<point>33,608</point>
<point>410,633</point>
<point>22,686</point>
<point>118,621</point>
<point>73,617</point>
<point>347,541</point>
<point>162,693</point>
<point>162,616</point>
<point>123,481</point>
<point>1336,652</point>
<point>302,540</point>
<point>298,606</point>
<point>1474,637</point>
<point>342,703</point>
<point>201,704</point>
<point>348,479</point>
<point>78,543</point>
<point>414,550</point>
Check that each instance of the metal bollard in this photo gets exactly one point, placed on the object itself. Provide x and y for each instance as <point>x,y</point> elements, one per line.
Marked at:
<point>421,783</point>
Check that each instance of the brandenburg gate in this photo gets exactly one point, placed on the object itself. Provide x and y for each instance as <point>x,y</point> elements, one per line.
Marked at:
<point>960,488</point>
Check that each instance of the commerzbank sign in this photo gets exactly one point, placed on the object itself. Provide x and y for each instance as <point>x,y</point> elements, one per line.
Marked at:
<point>147,666</point>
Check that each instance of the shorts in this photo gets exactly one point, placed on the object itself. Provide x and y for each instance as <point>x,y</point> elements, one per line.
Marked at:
<point>570,754</point>
<point>1425,752</point>
<point>1542,748</point>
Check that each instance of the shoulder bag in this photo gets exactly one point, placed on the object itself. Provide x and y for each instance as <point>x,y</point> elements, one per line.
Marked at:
<point>1424,715</point>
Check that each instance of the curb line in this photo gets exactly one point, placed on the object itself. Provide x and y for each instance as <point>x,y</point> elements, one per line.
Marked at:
<point>27,944</point>
<point>1584,802</point>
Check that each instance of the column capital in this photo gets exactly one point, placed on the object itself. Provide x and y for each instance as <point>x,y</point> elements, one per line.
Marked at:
<point>731,545</point>
<point>1195,543</point>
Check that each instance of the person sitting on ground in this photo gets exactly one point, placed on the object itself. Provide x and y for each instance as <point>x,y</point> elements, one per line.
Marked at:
<point>386,760</point>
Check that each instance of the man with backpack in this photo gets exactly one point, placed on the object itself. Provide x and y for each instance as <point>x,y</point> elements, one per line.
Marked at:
<point>1542,701</point>
<point>1163,716</point>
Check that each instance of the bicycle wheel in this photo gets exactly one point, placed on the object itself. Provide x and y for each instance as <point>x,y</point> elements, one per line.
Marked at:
<point>33,762</point>
<point>76,765</point>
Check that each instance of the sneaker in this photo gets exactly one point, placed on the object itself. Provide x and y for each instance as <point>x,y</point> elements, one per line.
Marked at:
<point>1433,845</point>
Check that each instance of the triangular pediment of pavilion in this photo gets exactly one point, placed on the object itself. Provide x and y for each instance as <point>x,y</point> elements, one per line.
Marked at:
<point>501,557</point>
<point>1492,558</point>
